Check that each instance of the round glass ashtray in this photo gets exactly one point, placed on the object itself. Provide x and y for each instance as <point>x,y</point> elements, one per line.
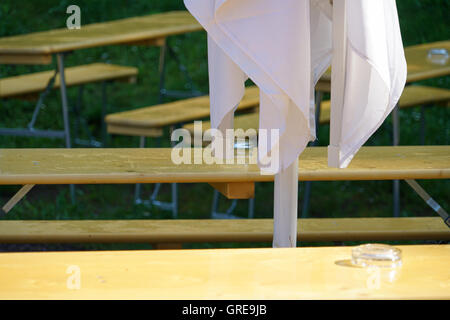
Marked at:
<point>376,255</point>
<point>438,56</point>
<point>245,144</point>
<point>242,145</point>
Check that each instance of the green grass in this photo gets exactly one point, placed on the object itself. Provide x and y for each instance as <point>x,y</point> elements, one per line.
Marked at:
<point>421,21</point>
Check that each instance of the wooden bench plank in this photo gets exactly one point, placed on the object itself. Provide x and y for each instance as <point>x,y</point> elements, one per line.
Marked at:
<point>37,82</point>
<point>216,230</point>
<point>135,131</point>
<point>26,59</point>
<point>153,165</point>
<point>412,96</point>
<point>264,273</point>
<point>170,113</point>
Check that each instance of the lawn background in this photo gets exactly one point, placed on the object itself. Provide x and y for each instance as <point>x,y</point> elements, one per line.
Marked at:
<point>421,21</point>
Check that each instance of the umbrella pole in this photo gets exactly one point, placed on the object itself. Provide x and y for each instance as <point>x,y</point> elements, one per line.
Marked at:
<point>285,207</point>
<point>338,73</point>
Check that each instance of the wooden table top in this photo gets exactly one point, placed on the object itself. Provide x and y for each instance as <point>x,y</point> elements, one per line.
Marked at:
<point>152,165</point>
<point>420,67</point>
<point>154,26</point>
<point>287,273</point>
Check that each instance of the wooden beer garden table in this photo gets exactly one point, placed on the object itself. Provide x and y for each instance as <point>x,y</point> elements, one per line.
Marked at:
<point>420,67</point>
<point>39,47</point>
<point>284,273</point>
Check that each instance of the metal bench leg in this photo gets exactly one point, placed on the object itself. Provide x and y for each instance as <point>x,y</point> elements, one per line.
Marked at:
<point>40,102</point>
<point>173,205</point>
<point>251,208</point>
<point>215,203</point>
<point>65,111</point>
<point>163,92</point>
<point>162,71</point>
<point>76,109</point>
<point>81,122</point>
<point>104,110</point>
<point>137,189</point>
<point>396,141</point>
<point>215,214</point>
<point>31,131</point>
<point>174,200</point>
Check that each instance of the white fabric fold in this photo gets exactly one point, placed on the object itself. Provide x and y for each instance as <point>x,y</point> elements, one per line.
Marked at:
<point>375,74</point>
<point>284,47</point>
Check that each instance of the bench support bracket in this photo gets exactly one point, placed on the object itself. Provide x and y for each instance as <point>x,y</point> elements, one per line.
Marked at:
<point>16,198</point>
<point>429,200</point>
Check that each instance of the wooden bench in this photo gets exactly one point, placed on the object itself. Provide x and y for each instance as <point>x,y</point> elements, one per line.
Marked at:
<point>173,233</point>
<point>412,96</point>
<point>34,85</point>
<point>154,165</point>
<point>150,121</point>
<point>264,273</point>
<point>236,181</point>
<point>29,85</point>
<point>104,166</point>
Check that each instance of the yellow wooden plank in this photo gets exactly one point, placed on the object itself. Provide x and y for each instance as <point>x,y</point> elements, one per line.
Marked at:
<point>175,112</point>
<point>149,27</point>
<point>216,230</point>
<point>235,190</point>
<point>152,165</point>
<point>158,42</point>
<point>264,273</point>
<point>412,96</point>
<point>36,82</point>
<point>15,58</point>
<point>420,67</point>
<point>134,131</point>
<point>416,95</point>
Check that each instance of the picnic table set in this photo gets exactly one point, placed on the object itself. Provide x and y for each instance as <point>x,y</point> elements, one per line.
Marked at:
<point>294,52</point>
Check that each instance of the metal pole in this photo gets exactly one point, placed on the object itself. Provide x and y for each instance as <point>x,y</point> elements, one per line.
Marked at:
<point>251,208</point>
<point>137,190</point>
<point>65,111</point>
<point>162,71</point>
<point>174,201</point>
<point>60,57</point>
<point>104,107</point>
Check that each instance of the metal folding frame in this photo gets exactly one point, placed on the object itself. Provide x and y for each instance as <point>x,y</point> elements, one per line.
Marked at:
<point>228,214</point>
<point>65,134</point>
<point>165,49</point>
<point>396,142</point>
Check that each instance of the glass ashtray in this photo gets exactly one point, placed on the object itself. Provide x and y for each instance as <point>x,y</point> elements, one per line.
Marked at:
<point>438,56</point>
<point>376,255</point>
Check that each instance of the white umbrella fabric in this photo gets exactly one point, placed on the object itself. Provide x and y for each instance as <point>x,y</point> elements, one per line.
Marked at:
<point>284,47</point>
